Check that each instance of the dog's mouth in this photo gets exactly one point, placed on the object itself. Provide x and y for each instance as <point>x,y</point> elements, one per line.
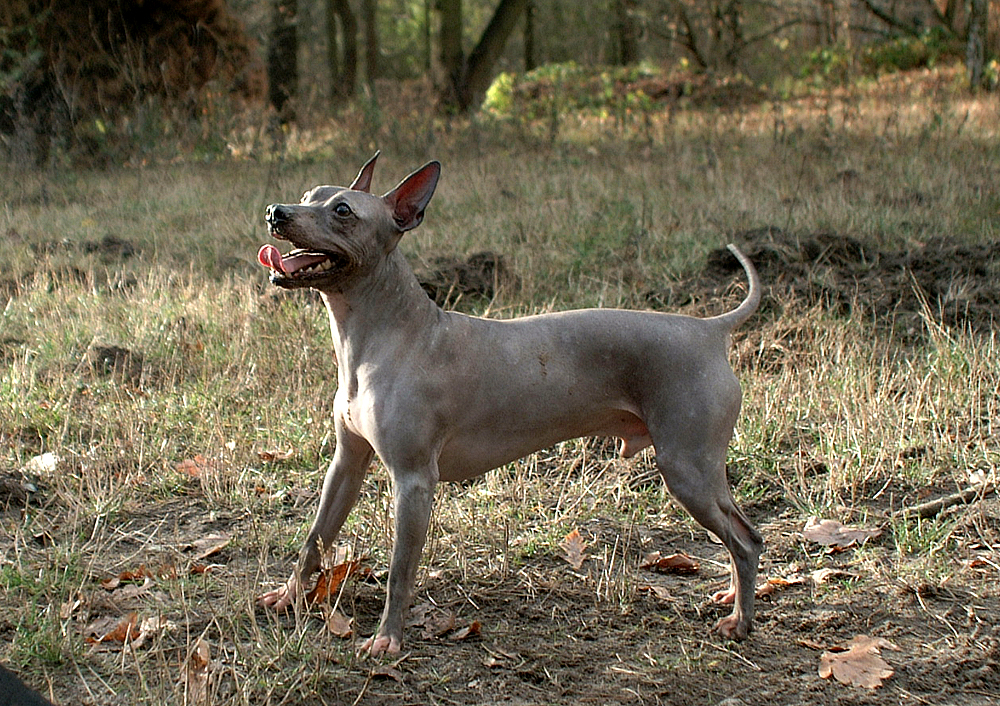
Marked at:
<point>299,265</point>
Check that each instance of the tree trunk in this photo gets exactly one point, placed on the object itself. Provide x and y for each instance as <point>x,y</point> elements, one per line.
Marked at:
<point>338,12</point>
<point>530,62</point>
<point>333,42</point>
<point>628,34</point>
<point>282,59</point>
<point>975,46</point>
<point>479,68</point>
<point>452,55</point>
<point>371,41</point>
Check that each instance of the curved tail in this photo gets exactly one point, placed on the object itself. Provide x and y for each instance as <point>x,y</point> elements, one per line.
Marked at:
<point>749,305</point>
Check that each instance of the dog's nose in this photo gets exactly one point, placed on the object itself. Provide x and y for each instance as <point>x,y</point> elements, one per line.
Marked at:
<point>275,214</point>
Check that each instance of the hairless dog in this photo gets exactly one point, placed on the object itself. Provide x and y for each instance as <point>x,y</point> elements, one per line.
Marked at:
<point>443,396</point>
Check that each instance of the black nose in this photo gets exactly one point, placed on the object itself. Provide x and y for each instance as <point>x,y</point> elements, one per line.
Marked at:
<point>275,214</point>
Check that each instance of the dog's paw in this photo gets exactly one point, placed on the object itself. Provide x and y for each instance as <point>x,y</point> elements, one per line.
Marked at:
<point>733,627</point>
<point>280,598</point>
<point>727,597</point>
<point>378,645</point>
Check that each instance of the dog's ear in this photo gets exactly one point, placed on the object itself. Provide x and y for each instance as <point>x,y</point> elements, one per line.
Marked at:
<point>411,196</point>
<point>363,181</point>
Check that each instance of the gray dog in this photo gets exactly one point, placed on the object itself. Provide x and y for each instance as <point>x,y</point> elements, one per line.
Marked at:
<point>443,396</point>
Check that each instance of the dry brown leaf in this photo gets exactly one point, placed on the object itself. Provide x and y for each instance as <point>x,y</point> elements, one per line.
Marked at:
<point>661,592</point>
<point>194,467</point>
<point>831,533</point>
<point>126,630</point>
<point>131,590</point>
<point>387,671</point>
<point>860,664</point>
<point>821,576</point>
<point>438,625</point>
<point>329,580</point>
<point>274,456</point>
<point>67,609</point>
<point>209,546</point>
<point>140,574</point>
<point>196,674</point>
<point>574,550</point>
<point>204,568</point>
<point>337,623</point>
<point>473,629</point>
<point>679,563</point>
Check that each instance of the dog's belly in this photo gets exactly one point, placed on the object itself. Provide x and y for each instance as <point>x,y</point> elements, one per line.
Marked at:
<point>475,450</point>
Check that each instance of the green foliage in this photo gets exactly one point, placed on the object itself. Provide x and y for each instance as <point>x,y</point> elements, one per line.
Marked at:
<point>20,52</point>
<point>906,53</point>
<point>827,65</point>
<point>569,87</point>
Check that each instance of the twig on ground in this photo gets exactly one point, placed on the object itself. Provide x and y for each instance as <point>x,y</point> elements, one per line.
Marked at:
<point>933,507</point>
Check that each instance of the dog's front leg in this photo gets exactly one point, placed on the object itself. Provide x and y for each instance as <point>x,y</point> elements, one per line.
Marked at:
<point>341,488</point>
<point>413,498</point>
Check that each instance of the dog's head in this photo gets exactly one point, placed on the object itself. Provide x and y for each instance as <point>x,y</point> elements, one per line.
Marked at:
<point>340,233</point>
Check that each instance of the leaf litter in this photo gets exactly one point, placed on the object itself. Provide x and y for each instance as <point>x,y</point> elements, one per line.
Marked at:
<point>859,663</point>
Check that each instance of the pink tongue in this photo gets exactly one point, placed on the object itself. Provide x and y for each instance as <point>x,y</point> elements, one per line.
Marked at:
<point>269,256</point>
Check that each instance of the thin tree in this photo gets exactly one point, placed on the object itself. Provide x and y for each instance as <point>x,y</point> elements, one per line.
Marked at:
<point>372,49</point>
<point>282,59</point>
<point>343,54</point>
<point>975,43</point>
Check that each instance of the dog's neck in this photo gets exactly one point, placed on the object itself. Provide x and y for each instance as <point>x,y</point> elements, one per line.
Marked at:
<point>376,311</point>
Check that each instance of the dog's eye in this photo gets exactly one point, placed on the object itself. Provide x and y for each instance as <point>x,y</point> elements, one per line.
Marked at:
<point>342,210</point>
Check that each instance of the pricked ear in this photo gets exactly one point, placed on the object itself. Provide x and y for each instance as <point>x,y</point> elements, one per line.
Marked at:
<point>411,196</point>
<point>363,182</point>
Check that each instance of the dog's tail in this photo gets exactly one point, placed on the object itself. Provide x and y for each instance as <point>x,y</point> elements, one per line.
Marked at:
<point>749,305</point>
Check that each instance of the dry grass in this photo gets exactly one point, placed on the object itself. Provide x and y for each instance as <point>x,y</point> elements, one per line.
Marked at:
<point>842,418</point>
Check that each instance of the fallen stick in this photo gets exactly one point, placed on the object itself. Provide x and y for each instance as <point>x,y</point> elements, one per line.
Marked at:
<point>933,507</point>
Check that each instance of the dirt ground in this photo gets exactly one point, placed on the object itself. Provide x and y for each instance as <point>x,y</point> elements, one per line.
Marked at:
<point>547,635</point>
<point>603,634</point>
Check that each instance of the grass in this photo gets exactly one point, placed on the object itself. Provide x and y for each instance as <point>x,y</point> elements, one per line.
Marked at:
<point>842,418</point>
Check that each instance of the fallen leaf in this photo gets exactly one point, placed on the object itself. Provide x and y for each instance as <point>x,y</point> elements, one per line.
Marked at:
<point>196,673</point>
<point>131,590</point>
<point>125,630</point>
<point>140,574</point>
<point>209,546</point>
<point>438,625</point>
<point>193,467</point>
<point>387,671</point>
<point>821,576</point>
<point>67,609</point>
<point>859,663</point>
<point>205,568</point>
<point>329,580</point>
<point>337,623</point>
<point>831,533</point>
<point>150,628</point>
<point>274,456</point>
<point>679,563</point>
<point>661,592</point>
<point>574,547</point>
<point>473,629</point>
